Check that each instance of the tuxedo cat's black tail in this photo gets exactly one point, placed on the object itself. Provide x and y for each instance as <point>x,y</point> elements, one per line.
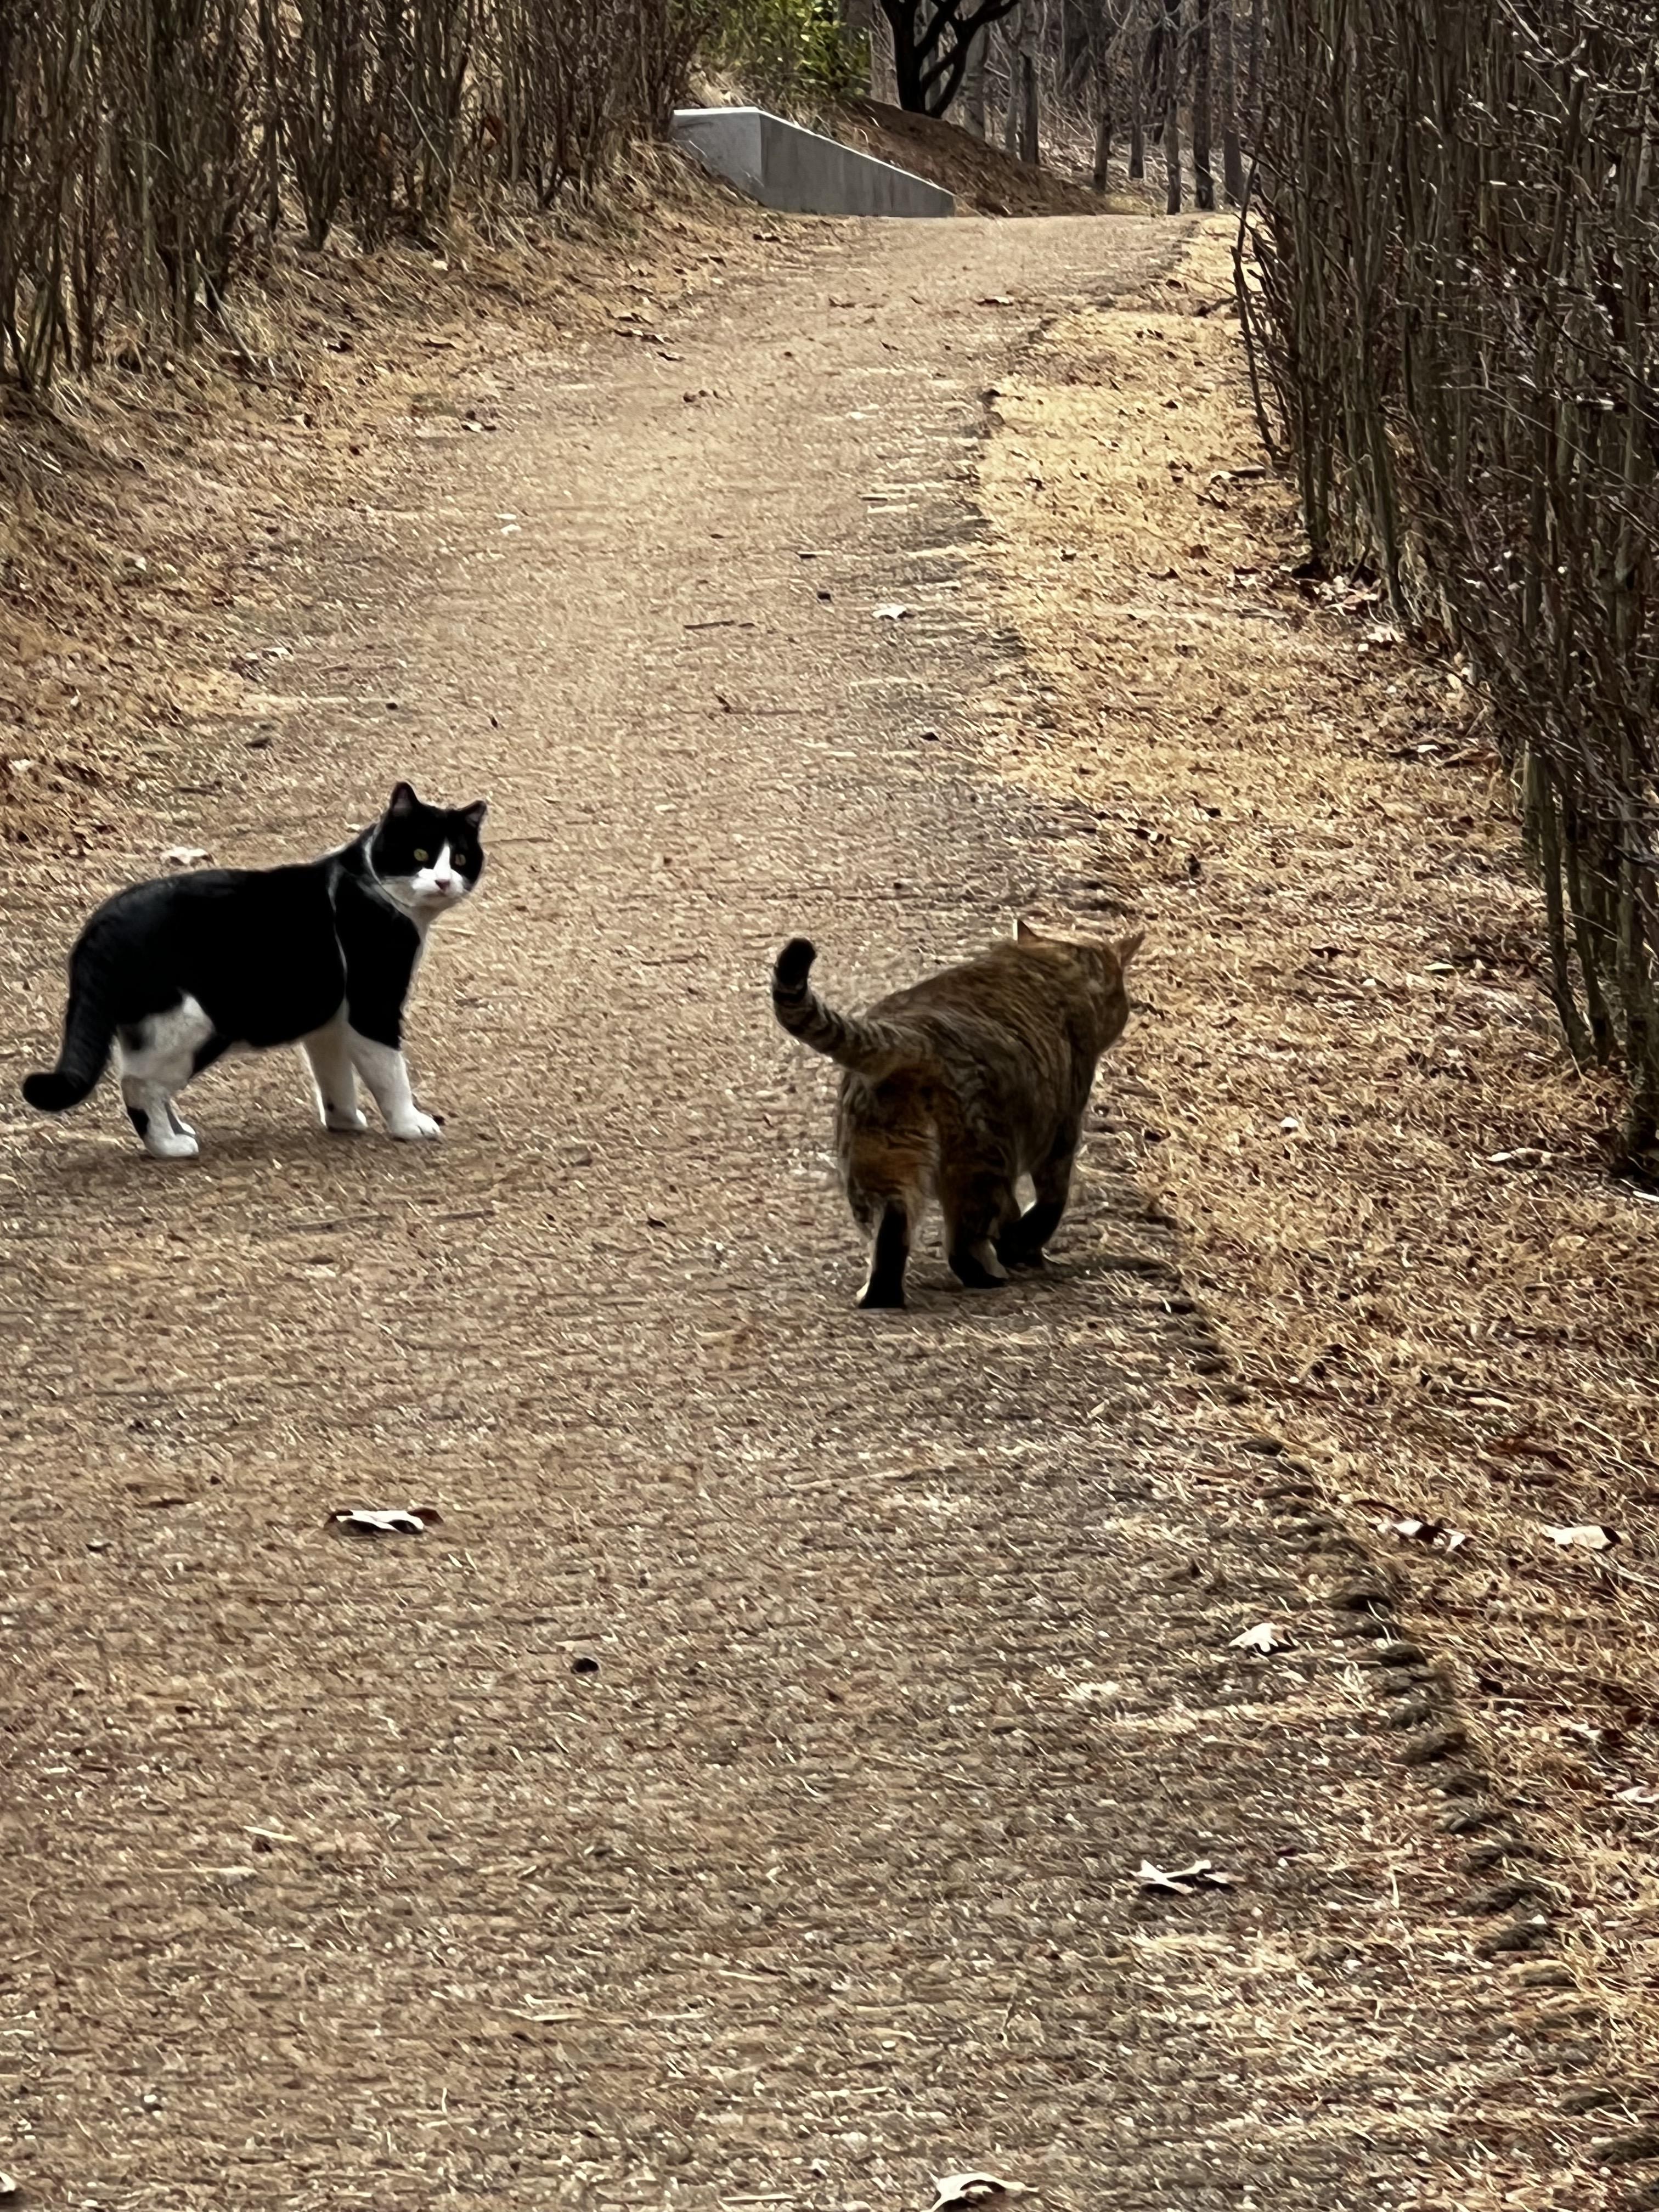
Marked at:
<point>89,1031</point>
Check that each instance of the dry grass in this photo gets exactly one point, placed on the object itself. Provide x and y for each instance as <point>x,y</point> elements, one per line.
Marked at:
<point>1350,1083</point>
<point>147,518</point>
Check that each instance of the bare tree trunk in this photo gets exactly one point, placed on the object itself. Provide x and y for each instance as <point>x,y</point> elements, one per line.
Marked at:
<point>973,84</point>
<point>1102,135</point>
<point>1019,130</point>
<point>1029,148</point>
<point>1010,114</point>
<point>1172,104</point>
<point>1252,122</point>
<point>1143,78</point>
<point>1203,177</point>
<point>1232,156</point>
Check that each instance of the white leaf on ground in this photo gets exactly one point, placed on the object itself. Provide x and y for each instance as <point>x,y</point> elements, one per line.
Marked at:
<point>891,610</point>
<point>1414,1532</point>
<point>1410,1531</point>
<point>1264,1637</point>
<point>386,1521</point>
<point>956,2190</point>
<point>1200,1874</point>
<point>185,856</point>
<point>1586,1536</point>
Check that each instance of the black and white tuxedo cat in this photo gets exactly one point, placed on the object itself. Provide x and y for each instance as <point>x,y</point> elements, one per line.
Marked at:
<point>174,973</point>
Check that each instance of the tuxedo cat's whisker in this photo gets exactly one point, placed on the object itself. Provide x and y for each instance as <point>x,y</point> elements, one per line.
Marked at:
<point>173,974</point>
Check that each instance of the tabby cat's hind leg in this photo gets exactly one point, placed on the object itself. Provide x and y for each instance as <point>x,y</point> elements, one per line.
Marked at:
<point>1021,1244</point>
<point>973,1210</point>
<point>890,1255</point>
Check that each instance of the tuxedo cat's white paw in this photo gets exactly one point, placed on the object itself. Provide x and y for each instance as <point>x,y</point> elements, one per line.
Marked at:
<point>348,1122</point>
<point>418,1126</point>
<point>171,1145</point>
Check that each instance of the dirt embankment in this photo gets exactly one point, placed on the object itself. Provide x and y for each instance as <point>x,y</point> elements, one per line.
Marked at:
<point>1355,1098</point>
<point>984,178</point>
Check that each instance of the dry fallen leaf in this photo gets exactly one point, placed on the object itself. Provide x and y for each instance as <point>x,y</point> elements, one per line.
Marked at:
<point>956,2190</point>
<point>1200,1874</point>
<point>185,856</point>
<point>1414,1532</point>
<point>1427,1532</point>
<point>1264,1637</point>
<point>1587,1536</point>
<point>393,1521</point>
<point>891,610</point>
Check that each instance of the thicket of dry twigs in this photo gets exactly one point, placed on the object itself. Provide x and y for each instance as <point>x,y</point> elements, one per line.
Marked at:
<point>1456,268</point>
<point>150,148</point>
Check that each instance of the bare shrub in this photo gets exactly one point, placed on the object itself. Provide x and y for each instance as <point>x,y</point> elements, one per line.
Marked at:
<point>1456,249</point>
<point>142,140</point>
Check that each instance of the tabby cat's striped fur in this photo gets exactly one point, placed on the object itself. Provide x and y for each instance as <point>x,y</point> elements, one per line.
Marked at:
<point>954,1089</point>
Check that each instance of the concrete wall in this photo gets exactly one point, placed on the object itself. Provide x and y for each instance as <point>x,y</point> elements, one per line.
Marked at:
<point>785,166</point>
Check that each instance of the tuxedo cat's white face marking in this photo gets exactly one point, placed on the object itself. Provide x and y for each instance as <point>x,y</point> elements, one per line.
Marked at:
<point>435,885</point>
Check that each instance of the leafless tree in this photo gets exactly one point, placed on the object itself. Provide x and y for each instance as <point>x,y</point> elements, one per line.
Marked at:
<point>1203,179</point>
<point>1172,103</point>
<point>1020,130</point>
<point>933,40</point>
<point>149,146</point>
<point>1232,151</point>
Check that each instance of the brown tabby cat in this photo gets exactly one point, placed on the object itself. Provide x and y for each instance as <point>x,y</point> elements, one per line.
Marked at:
<point>955,1088</point>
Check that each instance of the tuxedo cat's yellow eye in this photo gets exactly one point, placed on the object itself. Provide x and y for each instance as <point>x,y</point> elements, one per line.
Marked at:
<point>423,858</point>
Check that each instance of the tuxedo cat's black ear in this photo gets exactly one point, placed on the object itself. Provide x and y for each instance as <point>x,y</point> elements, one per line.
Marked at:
<point>473,815</point>
<point>403,800</point>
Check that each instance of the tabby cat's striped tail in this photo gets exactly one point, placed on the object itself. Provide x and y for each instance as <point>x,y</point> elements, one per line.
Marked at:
<point>871,1048</point>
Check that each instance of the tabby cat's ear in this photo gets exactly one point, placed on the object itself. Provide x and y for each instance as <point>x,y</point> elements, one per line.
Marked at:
<point>1127,947</point>
<point>403,800</point>
<point>1023,932</point>
<point>473,815</point>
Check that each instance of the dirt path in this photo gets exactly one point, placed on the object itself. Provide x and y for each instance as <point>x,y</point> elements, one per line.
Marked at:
<point>344,1879</point>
